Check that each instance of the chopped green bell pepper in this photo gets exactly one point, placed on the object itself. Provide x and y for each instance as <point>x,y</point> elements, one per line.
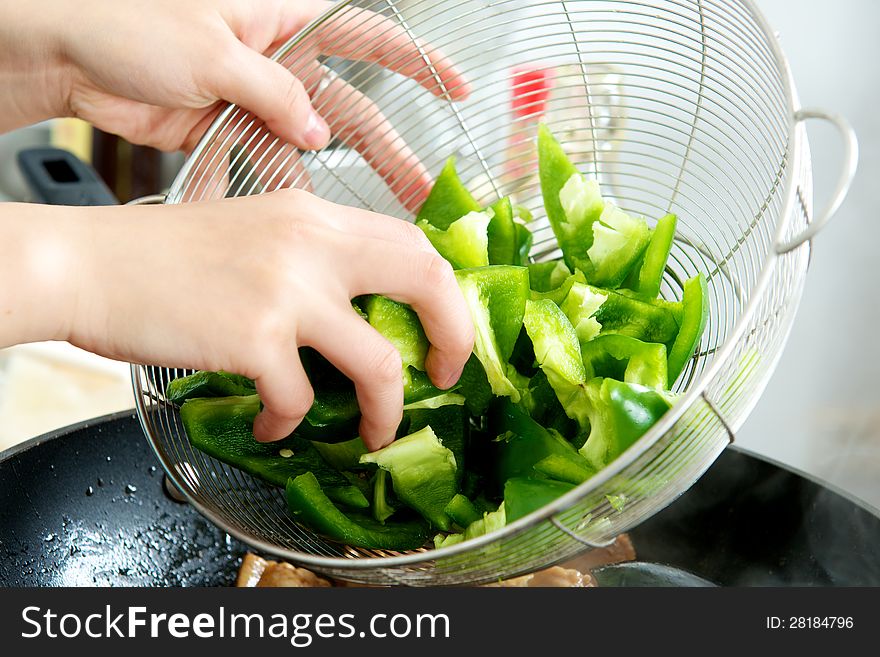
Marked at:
<point>547,276</point>
<point>448,200</point>
<point>524,240</point>
<point>558,353</point>
<point>646,276</point>
<point>580,305</point>
<point>491,521</point>
<point>619,240</point>
<point>309,504</point>
<point>474,386</point>
<point>554,171</point>
<point>626,359</point>
<point>465,243</point>
<point>502,235</point>
<point>450,424</point>
<point>524,495</point>
<point>564,468</point>
<point>522,443</point>
<point>208,384</point>
<point>646,320</point>
<point>695,300</point>
<point>344,455</point>
<point>400,325</point>
<point>382,509</point>
<point>496,297</point>
<point>462,511</point>
<point>595,236</point>
<point>423,472</point>
<point>223,428</point>
<point>620,414</point>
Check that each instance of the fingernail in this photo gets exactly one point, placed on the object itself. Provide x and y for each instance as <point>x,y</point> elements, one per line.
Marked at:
<point>317,131</point>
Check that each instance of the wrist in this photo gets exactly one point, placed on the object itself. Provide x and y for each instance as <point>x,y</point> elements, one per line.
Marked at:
<point>43,257</point>
<point>35,71</point>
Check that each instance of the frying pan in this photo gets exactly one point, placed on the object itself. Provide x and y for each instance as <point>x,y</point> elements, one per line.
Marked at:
<point>87,505</point>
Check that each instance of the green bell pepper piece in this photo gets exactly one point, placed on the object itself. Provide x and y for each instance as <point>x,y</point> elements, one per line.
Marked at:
<point>643,319</point>
<point>491,521</point>
<point>448,199</point>
<point>522,442</point>
<point>502,235</point>
<point>462,511</point>
<point>465,243</point>
<point>496,297</point>
<point>646,276</point>
<point>554,171</point>
<point>524,495</point>
<point>400,325</point>
<point>558,354</point>
<point>626,359</point>
<point>620,414</point>
<point>619,241</point>
<point>509,241</point>
<point>695,300</point>
<point>450,424</point>
<point>309,504</point>
<point>223,428</point>
<point>344,455</point>
<point>548,276</point>
<point>208,384</point>
<point>524,241</point>
<point>382,509</point>
<point>423,472</point>
<point>474,385</point>
<point>542,404</point>
<point>580,304</point>
<point>564,468</point>
<point>595,236</point>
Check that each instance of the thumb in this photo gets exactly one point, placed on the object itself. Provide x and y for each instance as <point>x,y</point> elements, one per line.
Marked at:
<point>273,93</point>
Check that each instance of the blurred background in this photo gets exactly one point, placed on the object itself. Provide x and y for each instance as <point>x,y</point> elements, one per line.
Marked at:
<point>820,412</point>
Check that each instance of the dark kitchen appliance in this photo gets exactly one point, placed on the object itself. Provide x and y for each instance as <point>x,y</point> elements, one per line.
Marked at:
<point>86,505</point>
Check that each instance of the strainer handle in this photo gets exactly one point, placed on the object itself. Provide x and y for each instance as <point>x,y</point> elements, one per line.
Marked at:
<point>850,162</point>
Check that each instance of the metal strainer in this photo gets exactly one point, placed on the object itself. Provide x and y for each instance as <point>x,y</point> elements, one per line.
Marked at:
<point>683,106</point>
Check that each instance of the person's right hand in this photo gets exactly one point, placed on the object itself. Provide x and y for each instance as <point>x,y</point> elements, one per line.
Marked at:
<point>240,284</point>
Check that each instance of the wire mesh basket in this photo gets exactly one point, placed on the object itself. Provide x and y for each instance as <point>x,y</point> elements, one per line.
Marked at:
<point>683,106</point>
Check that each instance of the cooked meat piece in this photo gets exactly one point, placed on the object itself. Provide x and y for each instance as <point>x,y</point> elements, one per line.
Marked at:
<point>283,575</point>
<point>251,570</point>
<point>555,577</point>
<point>619,551</point>
<point>256,571</point>
<point>259,572</point>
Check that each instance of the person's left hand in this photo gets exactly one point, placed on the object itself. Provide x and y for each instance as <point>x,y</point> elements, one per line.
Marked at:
<point>157,73</point>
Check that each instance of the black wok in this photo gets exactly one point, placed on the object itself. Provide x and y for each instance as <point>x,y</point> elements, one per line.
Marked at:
<point>87,506</point>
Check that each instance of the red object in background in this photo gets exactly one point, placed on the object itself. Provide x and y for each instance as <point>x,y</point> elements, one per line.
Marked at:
<point>530,87</point>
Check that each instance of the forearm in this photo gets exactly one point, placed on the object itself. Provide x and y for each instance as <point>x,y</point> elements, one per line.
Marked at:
<point>38,271</point>
<point>33,67</point>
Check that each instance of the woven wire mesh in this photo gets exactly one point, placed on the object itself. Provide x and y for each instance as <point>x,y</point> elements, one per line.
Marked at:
<point>679,106</point>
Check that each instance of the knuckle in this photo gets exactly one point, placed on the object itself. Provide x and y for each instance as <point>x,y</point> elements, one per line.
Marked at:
<point>294,94</point>
<point>386,366</point>
<point>436,271</point>
<point>416,236</point>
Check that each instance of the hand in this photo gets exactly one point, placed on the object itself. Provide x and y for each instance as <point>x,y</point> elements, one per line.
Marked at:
<point>158,72</point>
<point>240,284</point>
